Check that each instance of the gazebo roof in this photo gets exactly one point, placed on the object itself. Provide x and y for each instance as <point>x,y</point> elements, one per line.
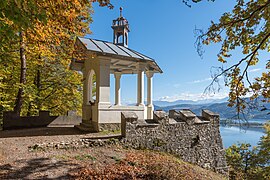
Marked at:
<point>117,52</point>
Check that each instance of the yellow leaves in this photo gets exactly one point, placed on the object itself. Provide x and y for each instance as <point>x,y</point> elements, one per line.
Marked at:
<point>206,41</point>
<point>221,59</point>
<point>256,86</point>
<point>71,15</point>
<point>246,49</point>
<point>253,61</point>
<point>6,20</point>
<point>262,2</point>
<point>265,75</point>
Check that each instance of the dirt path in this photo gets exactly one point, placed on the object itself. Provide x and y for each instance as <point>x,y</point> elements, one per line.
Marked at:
<point>17,162</point>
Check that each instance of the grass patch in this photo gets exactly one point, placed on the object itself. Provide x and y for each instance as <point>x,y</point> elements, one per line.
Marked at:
<point>84,157</point>
<point>117,159</point>
<point>62,157</point>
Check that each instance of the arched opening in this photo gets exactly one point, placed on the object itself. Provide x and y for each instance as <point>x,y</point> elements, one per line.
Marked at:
<point>91,96</point>
<point>120,38</point>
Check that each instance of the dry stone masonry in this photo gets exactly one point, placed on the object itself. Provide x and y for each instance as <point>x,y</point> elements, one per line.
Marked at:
<point>196,139</point>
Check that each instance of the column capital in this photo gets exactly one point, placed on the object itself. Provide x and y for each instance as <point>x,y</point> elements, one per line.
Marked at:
<point>149,74</point>
<point>117,75</point>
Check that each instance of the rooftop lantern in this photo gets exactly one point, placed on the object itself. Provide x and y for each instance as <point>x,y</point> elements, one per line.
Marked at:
<point>120,28</point>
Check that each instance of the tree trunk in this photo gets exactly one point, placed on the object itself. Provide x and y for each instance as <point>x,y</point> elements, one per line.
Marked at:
<point>38,85</point>
<point>19,98</point>
<point>37,101</point>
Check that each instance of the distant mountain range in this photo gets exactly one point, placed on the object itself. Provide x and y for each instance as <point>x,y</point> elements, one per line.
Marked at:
<point>177,102</point>
<point>218,106</point>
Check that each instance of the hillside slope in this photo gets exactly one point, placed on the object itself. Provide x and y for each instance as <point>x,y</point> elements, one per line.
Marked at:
<point>39,156</point>
<point>146,164</point>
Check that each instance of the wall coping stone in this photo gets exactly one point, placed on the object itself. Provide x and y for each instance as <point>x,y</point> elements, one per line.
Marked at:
<point>129,116</point>
<point>159,116</point>
<point>187,113</point>
<point>206,113</point>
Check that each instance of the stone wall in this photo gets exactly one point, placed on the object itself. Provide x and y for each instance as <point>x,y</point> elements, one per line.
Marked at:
<point>12,120</point>
<point>109,126</point>
<point>196,139</point>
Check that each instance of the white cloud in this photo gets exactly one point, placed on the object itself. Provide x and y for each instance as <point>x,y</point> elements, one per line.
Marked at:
<point>203,80</point>
<point>254,70</point>
<point>176,85</point>
<point>194,96</point>
<point>200,80</point>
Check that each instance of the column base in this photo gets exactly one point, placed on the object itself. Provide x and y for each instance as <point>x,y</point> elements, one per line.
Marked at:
<point>140,104</point>
<point>150,111</point>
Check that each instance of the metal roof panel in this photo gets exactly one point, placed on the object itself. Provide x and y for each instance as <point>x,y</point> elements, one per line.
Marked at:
<point>132,54</point>
<point>89,44</point>
<point>103,46</point>
<point>117,49</point>
<point>140,54</point>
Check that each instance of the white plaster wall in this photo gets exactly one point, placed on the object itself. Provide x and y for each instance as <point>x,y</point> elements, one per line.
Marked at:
<point>113,114</point>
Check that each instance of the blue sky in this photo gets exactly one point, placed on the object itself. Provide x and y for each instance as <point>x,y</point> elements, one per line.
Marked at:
<point>164,30</point>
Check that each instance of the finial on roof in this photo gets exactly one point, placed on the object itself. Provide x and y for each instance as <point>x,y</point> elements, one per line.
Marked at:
<point>121,9</point>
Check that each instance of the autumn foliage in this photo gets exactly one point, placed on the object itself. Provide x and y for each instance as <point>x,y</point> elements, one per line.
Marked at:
<point>36,48</point>
<point>146,165</point>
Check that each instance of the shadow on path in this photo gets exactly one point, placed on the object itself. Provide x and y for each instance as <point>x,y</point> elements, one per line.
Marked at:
<point>39,168</point>
<point>48,131</point>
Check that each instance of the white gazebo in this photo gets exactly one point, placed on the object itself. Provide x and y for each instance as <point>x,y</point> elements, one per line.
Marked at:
<point>102,59</point>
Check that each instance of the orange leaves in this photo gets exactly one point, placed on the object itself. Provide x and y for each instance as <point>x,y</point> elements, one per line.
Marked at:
<point>146,165</point>
<point>221,59</point>
<point>71,15</point>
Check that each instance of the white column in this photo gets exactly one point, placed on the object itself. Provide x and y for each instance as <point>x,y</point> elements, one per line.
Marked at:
<point>140,90</point>
<point>117,76</point>
<point>103,82</point>
<point>85,109</point>
<point>150,107</point>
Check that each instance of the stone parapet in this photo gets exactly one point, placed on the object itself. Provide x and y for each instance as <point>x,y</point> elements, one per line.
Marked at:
<point>211,116</point>
<point>159,116</point>
<point>193,138</point>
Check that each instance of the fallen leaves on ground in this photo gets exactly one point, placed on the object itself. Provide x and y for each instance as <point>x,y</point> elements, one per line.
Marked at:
<point>146,165</point>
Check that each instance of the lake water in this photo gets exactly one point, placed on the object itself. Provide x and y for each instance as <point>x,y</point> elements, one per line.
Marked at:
<point>233,135</point>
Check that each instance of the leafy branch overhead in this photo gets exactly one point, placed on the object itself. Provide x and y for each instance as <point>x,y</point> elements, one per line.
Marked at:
<point>246,30</point>
<point>36,46</point>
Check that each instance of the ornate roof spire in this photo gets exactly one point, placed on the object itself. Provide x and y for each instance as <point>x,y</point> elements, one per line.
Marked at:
<point>121,10</point>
